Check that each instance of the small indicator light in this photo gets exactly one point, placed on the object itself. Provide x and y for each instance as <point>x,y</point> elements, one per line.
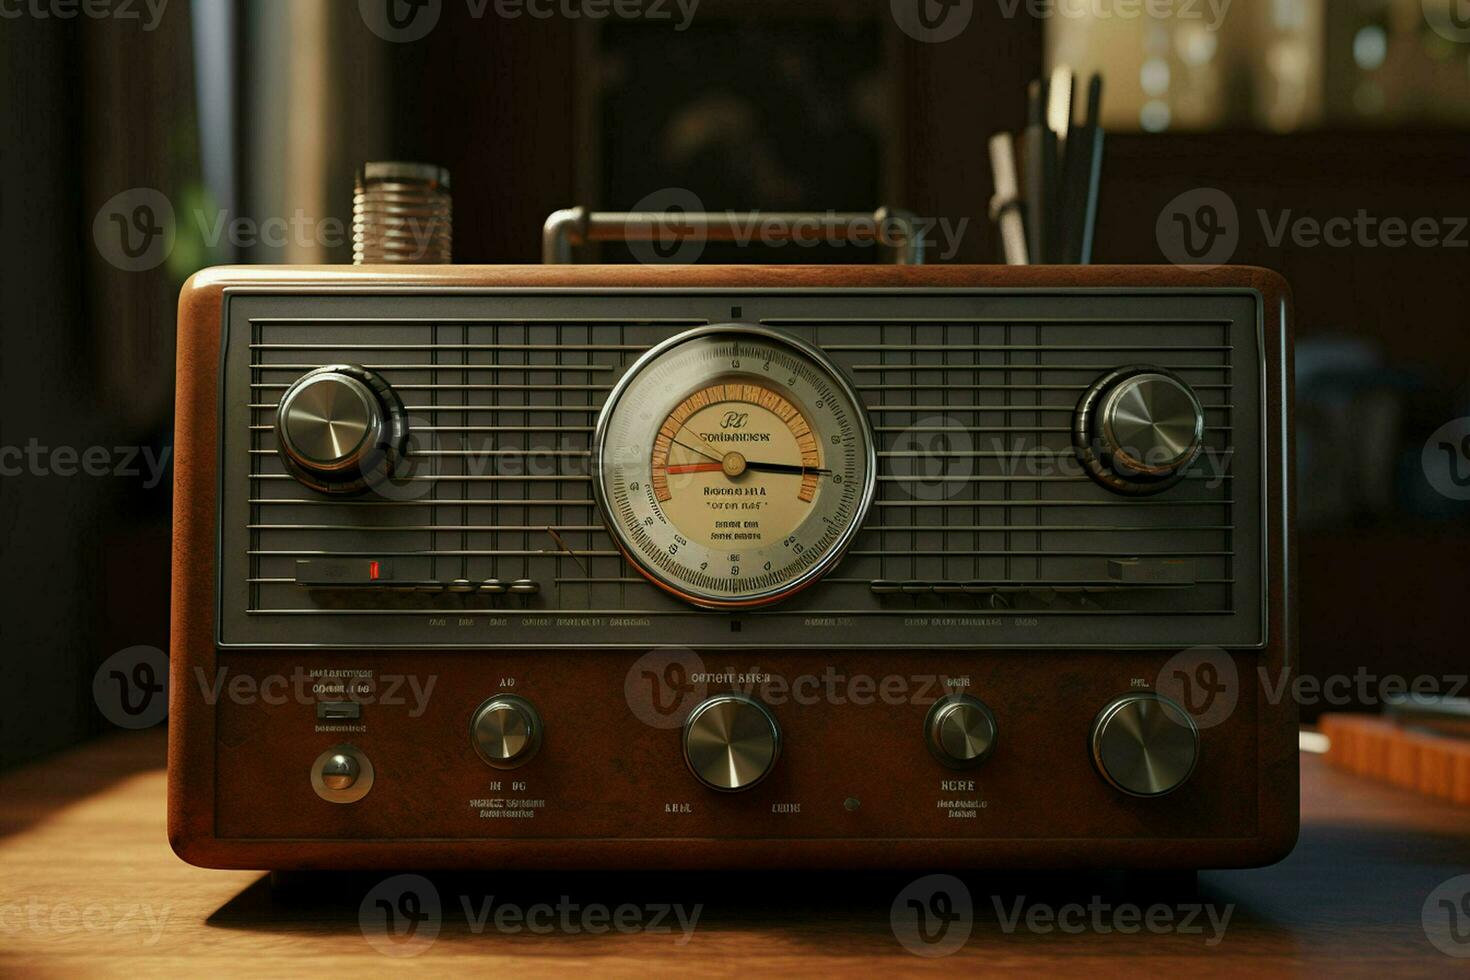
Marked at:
<point>374,570</point>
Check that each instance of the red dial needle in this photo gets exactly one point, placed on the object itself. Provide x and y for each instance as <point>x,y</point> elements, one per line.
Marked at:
<point>697,468</point>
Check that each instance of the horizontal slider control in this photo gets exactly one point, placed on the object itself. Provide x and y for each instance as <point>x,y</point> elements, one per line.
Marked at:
<point>1152,571</point>
<point>889,587</point>
<point>377,575</point>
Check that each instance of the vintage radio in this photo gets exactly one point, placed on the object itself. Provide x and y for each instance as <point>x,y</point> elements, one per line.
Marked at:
<point>733,567</point>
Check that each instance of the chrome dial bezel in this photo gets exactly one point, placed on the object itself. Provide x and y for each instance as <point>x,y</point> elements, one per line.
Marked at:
<point>783,590</point>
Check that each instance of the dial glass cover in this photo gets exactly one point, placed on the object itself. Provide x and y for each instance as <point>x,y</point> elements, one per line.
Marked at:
<point>735,465</point>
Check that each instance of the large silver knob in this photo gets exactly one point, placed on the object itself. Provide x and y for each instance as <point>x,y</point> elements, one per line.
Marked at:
<point>1138,429</point>
<point>960,731</point>
<point>1145,744</point>
<point>339,429</point>
<point>506,731</point>
<point>731,742</point>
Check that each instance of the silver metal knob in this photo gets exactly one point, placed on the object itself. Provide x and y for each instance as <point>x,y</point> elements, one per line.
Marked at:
<point>340,428</point>
<point>328,420</point>
<point>340,771</point>
<point>506,731</point>
<point>731,742</point>
<point>960,731</point>
<point>1153,424</point>
<point>1138,429</point>
<point>1145,744</point>
<point>342,774</point>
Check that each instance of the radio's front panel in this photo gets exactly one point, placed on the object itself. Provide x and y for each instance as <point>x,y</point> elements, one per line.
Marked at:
<point>984,529</point>
<point>721,565</point>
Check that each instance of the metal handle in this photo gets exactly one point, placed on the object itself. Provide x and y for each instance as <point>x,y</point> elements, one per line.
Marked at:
<point>572,227</point>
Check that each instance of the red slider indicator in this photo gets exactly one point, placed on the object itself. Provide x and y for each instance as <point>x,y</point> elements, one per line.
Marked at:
<point>375,571</point>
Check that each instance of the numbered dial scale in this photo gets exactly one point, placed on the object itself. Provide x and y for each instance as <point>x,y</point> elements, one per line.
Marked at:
<point>735,465</point>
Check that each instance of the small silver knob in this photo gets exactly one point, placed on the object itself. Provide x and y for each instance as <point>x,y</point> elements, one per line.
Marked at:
<point>961,731</point>
<point>1145,744</point>
<point>731,742</point>
<point>340,771</point>
<point>342,774</point>
<point>506,731</point>
<point>327,420</point>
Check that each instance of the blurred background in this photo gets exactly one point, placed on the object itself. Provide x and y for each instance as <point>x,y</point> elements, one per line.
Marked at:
<point>262,109</point>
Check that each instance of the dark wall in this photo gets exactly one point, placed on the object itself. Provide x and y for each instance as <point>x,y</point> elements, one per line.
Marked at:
<point>49,526</point>
<point>86,364</point>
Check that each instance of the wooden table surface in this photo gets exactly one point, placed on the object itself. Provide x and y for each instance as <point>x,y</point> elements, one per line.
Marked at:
<point>88,885</point>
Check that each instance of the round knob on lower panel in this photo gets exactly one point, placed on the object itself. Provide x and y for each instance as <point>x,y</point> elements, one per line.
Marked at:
<point>506,731</point>
<point>339,429</point>
<point>1145,744</point>
<point>342,774</point>
<point>1138,429</point>
<point>960,731</point>
<point>731,742</point>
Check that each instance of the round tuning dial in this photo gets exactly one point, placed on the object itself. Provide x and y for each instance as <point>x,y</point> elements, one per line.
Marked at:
<point>340,429</point>
<point>506,731</point>
<point>731,742</point>
<point>1138,429</point>
<point>1145,744</point>
<point>960,731</point>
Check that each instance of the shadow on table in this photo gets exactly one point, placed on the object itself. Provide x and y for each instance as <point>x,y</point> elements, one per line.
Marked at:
<point>33,792</point>
<point>847,912</point>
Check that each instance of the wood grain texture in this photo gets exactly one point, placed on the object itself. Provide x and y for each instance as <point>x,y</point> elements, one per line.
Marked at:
<point>1434,765</point>
<point>238,796</point>
<point>90,888</point>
